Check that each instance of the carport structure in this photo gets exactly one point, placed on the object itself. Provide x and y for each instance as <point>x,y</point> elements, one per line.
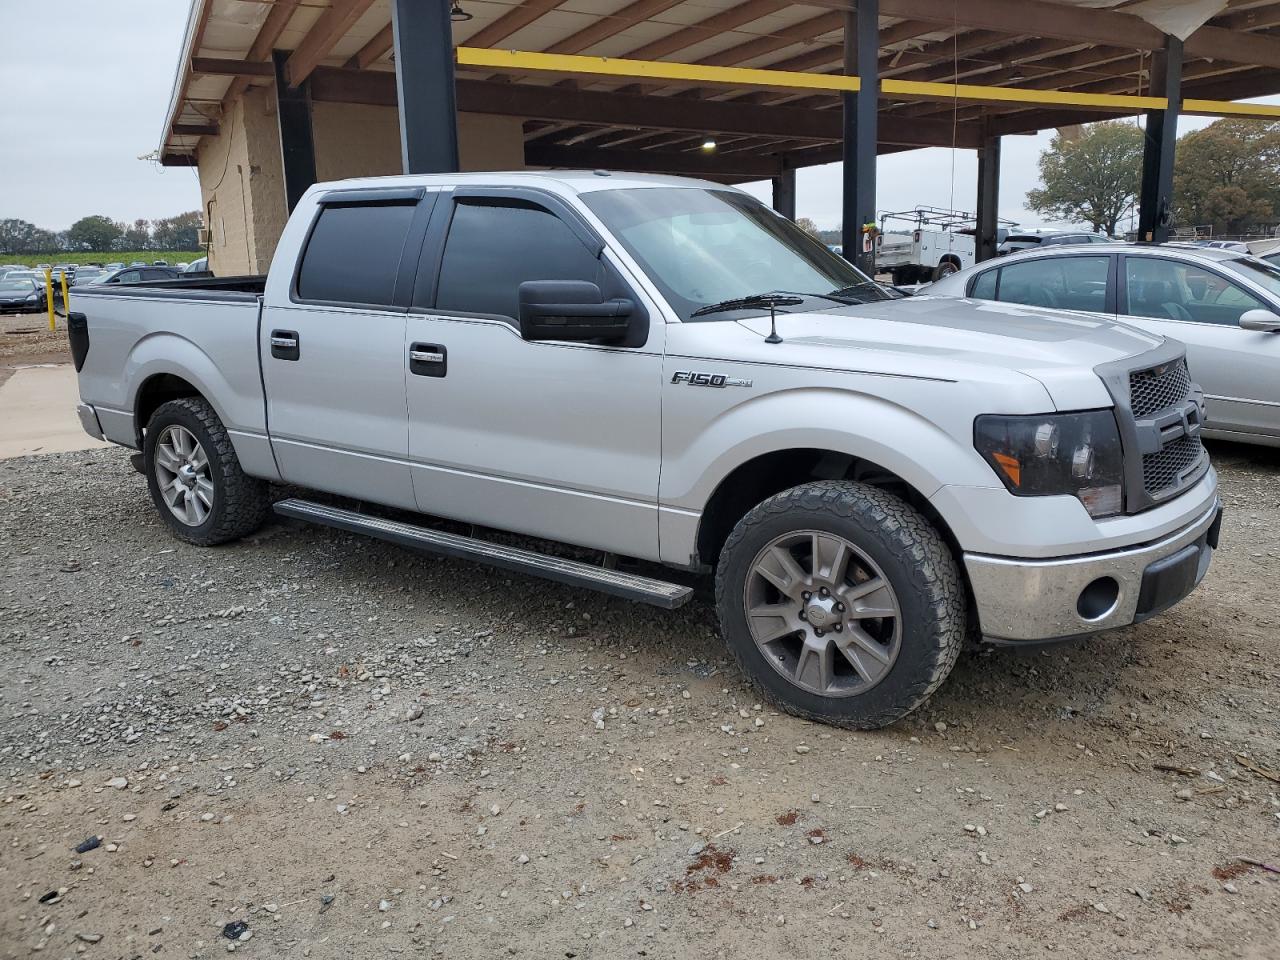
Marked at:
<point>285,92</point>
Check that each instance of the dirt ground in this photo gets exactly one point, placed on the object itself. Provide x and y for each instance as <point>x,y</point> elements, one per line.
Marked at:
<point>339,749</point>
<point>25,338</point>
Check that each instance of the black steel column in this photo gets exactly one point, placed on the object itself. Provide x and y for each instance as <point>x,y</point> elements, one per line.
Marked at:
<point>424,85</point>
<point>784,191</point>
<point>1155,202</point>
<point>297,144</point>
<point>861,57</point>
<point>987,238</point>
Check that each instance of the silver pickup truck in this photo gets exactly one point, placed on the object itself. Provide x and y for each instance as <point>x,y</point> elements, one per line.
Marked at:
<point>666,372</point>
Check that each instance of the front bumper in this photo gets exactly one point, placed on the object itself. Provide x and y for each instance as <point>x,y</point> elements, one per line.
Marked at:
<point>1039,600</point>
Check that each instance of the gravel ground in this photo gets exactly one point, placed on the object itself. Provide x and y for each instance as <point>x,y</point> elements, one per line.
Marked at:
<point>328,747</point>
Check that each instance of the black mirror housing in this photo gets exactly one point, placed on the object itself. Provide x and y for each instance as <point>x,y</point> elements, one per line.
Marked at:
<point>572,310</point>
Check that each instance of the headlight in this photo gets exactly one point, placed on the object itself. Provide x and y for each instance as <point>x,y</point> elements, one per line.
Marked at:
<point>33,298</point>
<point>1077,454</point>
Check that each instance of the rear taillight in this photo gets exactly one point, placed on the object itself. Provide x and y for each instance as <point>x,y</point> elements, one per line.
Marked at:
<point>78,335</point>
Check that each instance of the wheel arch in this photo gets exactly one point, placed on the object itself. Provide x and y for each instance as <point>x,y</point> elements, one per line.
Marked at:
<point>157,389</point>
<point>767,474</point>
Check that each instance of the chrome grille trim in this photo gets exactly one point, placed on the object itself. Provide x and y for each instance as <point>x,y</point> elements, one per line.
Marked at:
<point>1159,411</point>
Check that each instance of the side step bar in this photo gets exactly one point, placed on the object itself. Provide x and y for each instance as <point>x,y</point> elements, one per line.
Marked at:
<point>629,586</point>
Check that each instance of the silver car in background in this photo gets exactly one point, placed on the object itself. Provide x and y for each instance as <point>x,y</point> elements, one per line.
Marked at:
<point>1224,305</point>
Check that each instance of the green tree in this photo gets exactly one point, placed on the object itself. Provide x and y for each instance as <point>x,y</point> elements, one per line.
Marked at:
<point>176,233</point>
<point>1092,177</point>
<point>808,226</point>
<point>136,237</point>
<point>17,236</point>
<point>1228,175</point>
<point>96,233</point>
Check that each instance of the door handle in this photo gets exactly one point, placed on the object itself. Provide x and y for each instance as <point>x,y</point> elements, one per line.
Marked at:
<point>428,360</point>
<point>284,344</point>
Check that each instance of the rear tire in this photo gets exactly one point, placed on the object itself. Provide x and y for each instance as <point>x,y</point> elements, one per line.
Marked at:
<point>195,478</point>
<point>945,269</point>
<point>889,644</point>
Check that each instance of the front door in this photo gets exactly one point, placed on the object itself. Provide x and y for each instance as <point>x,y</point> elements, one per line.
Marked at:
<point>1235,368</point>
<point>333,357</point>
<point>553,439</point>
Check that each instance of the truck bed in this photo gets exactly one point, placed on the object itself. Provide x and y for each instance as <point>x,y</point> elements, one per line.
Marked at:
<point>244,288</point>
<point>205,327</point>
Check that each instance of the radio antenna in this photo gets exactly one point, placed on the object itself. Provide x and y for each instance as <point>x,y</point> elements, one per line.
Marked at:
<point>773,323</point>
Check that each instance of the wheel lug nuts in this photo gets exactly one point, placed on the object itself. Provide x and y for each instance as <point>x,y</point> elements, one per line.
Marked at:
<point>824,591</point>
<point>803,615</point>
<point>805,595</point>
<point>818,632</point>
<point>840,607</point>
<point>839,627</point>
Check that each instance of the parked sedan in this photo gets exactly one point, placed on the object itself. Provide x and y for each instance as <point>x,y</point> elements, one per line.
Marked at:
<point>1224,305</point>
<point>20,295</point>
<point>140,274</point>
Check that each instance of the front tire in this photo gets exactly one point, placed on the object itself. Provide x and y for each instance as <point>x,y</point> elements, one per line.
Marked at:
<point>841,603</point>
<point>195,478</point>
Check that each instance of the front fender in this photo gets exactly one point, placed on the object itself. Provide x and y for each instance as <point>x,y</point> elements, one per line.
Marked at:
<point>927,444</point>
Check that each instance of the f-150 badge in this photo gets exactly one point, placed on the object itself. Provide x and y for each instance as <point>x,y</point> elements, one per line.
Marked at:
<point>695,379</point>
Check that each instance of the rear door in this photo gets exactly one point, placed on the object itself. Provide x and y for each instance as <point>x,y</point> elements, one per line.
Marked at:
<point>333,359</point>
<point>553,439</point>
<point>1236,368</point>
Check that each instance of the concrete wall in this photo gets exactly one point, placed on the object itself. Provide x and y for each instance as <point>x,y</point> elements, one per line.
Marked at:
<point>242,180</point>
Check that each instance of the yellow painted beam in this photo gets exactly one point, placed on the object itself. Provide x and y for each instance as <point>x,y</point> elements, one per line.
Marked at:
<point>1215,108</point>
<point>519,60</point>
<point>515,61</point>
<point>969,91</point>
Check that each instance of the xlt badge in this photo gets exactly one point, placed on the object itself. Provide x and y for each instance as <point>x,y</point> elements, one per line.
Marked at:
<point>695,379</point>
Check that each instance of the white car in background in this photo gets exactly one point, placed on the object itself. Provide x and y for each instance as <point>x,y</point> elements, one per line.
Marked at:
<point>1223,304</point>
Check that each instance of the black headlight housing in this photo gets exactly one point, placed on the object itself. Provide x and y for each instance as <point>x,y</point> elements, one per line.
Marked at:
<point>1073,454</point>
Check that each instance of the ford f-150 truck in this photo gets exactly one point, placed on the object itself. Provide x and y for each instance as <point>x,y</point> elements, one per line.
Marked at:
<point>666,371</point>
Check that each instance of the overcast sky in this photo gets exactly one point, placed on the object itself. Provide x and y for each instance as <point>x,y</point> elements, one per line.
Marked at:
<point>86,86</point>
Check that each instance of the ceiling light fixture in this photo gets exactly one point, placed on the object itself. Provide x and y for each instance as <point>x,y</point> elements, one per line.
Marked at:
<point>457,14</point>
<point>708,145</point>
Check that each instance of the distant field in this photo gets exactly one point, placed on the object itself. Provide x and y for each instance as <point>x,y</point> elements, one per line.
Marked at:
<point>120,256</point>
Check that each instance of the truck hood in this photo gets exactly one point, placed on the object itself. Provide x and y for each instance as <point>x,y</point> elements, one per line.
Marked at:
<point>953,338</point>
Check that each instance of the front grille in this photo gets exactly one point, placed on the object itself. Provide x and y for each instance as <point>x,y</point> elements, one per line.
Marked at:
<point>1159,388</point>
<point>1168,467</point>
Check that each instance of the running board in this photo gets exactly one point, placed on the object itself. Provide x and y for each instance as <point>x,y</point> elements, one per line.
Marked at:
<point>629,586</point>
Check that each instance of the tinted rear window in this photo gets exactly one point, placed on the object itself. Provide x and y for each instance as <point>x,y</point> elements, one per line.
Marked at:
<point>353,254</point>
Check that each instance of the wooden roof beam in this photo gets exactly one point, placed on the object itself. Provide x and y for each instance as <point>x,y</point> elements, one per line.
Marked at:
<point>324,35</point>
<point>511,22</point>
<point>379,45</point>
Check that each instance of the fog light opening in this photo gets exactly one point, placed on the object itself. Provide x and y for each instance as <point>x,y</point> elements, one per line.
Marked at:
<point>1098,599</point>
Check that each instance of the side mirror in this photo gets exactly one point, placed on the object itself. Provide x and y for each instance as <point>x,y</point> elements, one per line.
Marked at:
<point>571,310</point>
<point>1263,321</point>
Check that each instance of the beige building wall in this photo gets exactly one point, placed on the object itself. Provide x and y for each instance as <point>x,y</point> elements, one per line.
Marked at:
<point>242,180</point>
<point>242,186</point>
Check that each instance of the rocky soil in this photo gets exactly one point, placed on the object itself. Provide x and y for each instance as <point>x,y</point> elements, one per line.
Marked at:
<point>309,744</point>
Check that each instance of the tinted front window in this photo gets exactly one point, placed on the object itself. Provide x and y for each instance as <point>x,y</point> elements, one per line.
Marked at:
<point>353,254</point>
<point>984,287</point>
<point>1174,290</point>
<point>705,246</point>
<point>1065,283</point>
<point>493,248</point>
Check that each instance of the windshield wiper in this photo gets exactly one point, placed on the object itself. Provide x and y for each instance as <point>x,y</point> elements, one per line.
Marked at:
<point>861,285</point>
<point>764,301</point>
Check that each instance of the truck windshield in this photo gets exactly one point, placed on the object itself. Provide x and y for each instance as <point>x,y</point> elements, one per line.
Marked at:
<point>710,247</point>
